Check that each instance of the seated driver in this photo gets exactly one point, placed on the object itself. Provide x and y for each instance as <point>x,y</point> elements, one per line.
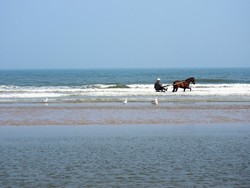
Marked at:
<point>158,87</point>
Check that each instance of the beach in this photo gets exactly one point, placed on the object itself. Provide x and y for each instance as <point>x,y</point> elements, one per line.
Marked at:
<point>72,129</point>
<point>166,113</point>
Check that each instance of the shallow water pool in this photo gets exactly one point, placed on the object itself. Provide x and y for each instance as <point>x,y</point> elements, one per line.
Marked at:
<point>214,155</point>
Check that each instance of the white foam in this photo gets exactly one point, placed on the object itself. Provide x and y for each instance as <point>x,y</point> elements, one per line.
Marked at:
<point>135,92</point>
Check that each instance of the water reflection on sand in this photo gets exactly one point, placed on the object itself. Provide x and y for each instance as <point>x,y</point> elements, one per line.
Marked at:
<point>215,155</point>
<point>120,114</point>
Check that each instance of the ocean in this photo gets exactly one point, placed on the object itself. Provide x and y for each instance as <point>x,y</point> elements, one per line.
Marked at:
<point>114,85</point>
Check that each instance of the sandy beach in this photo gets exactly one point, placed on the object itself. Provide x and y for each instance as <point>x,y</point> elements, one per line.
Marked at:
<point>119,114</point>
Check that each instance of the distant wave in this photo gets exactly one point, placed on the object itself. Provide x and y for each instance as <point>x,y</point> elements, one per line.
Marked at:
<point>118,86</point>
<point>219,81</point>
<point>121,77</point>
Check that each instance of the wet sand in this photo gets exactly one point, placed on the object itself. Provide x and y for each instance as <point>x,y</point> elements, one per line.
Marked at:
<point>119,114</point>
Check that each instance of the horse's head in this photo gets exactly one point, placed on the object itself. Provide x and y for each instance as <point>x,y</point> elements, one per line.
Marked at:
<point>192,80</point>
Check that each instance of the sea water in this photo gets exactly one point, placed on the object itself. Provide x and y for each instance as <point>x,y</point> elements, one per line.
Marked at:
<point>125,156</point>
<point>112,85</point>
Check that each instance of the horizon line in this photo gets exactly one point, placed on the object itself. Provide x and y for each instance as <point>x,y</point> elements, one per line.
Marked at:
<point>116,68</point>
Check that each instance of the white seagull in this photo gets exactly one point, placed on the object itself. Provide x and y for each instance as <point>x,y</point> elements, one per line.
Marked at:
<point>45,100</point>
<point>125,101</point>
<point>155,102</point>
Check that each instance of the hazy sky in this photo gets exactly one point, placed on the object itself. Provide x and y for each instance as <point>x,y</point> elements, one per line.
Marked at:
<point>124,33</point>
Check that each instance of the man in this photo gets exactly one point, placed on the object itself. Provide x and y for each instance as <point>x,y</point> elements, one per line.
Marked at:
<point>158,87</point>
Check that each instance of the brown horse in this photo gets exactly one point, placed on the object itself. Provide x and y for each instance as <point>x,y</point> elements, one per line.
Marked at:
<point>183,84</point>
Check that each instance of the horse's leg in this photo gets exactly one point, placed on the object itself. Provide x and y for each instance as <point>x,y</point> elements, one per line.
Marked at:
<point>173,89</point>
<point>184,89</point>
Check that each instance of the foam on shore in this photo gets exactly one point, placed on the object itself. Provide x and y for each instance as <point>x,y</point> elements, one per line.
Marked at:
<point>134,93</point>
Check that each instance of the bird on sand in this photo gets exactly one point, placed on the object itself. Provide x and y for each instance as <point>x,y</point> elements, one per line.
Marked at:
<point>125,101</point>
<point>155,102</point>
<point>45,100</point>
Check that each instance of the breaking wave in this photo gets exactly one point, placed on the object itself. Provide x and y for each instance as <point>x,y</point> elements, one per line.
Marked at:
<point>117,92</point>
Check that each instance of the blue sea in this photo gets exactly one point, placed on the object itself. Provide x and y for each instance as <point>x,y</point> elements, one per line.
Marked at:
<point>111,85</point>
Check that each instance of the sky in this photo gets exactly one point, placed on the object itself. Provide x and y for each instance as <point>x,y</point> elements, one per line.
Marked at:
<point>82,34</point>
